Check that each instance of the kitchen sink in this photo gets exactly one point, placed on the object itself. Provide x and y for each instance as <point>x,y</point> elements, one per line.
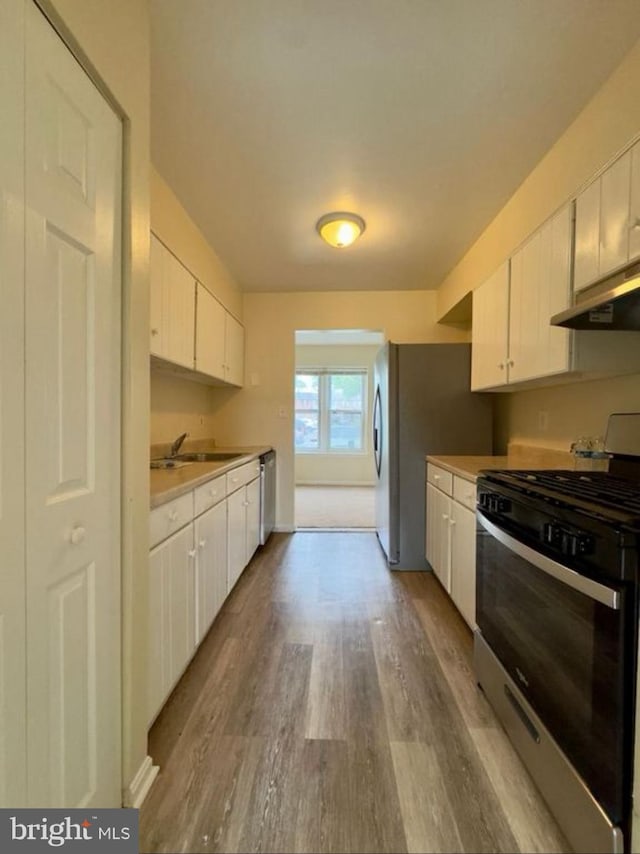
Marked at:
<point>209,456</point>
<point>168,464</point>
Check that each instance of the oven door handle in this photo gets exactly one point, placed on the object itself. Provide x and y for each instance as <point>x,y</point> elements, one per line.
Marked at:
<point>592,589</point>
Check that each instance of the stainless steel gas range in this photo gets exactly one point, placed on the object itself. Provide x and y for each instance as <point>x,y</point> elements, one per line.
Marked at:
<point>556,644</point>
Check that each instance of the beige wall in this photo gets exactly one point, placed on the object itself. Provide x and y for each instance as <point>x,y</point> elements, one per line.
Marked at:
<point>573,410</point>
<point>173,225</point>
<point>114,37</point>
<point>339,467</point>
<point>178,405</point>
<point>252,416</point>
<point>606,125</point>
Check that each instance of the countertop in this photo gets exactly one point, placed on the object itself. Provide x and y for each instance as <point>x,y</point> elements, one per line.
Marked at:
<point>167,484</point>
<point>519,457</point>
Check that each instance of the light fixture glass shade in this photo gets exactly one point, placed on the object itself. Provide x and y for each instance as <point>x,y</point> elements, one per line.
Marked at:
<point>340,229</point>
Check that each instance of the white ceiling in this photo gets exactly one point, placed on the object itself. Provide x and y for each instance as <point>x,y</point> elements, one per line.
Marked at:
<point>423,116</point>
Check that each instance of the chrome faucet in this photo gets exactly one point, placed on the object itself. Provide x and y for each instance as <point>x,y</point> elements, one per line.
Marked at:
<point>175,446</point>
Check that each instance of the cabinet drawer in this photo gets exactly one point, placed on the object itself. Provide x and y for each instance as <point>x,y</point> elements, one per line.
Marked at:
<point>170,517</point>
<point>242,475</point>
<point>210,493</point>
<point>464,491</point>
<point>440,478</point>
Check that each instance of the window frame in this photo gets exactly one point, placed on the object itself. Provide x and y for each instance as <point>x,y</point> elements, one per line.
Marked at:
<point>324,410</point>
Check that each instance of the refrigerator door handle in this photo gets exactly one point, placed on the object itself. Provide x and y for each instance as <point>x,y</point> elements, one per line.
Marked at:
<point>377,431</point>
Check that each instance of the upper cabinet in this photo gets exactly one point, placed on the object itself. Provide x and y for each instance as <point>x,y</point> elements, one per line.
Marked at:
<point>189,328</point>
<point>172,307</point>
<point>512,338</point>
<point>608,221</point>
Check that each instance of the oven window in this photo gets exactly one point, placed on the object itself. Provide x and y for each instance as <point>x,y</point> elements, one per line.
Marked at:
<point>565,651</point>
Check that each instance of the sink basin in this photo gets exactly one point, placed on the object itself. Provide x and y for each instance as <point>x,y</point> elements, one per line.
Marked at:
<point>209,456</point>
<point>168,464</point>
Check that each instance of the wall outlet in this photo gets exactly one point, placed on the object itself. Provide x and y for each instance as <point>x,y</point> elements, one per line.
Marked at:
<point>543,421</point>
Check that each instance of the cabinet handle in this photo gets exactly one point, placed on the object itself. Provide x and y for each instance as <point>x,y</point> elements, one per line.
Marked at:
<point>191,553</point>
<point>173,515</point>
<point>635,223</point>
<point>154,331</point>
<point>77,535</point>
<point>247,503</point>
<point>436,477</point>
<point>501,365</point>
<point>202,544</point>
<point>213,492</point>
<point>511,363</point>
<point>234,480</point>
<point>452,522</point>
<point>445,516</point>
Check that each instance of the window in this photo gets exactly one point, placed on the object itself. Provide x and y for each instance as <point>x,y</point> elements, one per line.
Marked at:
<point>330,410</point>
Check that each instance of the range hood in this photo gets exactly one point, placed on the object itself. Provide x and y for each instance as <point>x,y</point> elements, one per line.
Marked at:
<point>611,304</point>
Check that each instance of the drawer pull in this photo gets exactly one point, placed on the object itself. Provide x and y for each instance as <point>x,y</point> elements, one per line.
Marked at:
<point>173,515</point>
<point>191,553</point>
<point>213,492</point>
<point>436,477</point>
<point>77,535</point>
<point>202,544</point>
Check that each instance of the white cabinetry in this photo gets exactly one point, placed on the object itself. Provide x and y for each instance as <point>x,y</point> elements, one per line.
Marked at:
<point>189,327</point>
<point>490,331</point>
<point>451,537</point>
<point>210,334</point>
<point>211,566</point>
<point>171,613</point>
<point>243,518</point>
<point>172,307</point>
<point>607,222</point>
<point>194,563</point>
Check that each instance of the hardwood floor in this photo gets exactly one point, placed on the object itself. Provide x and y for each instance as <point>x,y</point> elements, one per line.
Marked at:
<point>332,708</point>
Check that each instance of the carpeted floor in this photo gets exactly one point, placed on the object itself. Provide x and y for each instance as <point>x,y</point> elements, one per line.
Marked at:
<point>335,507</point>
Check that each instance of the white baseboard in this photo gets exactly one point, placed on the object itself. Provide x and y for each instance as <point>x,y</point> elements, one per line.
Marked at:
<point>138,788</point>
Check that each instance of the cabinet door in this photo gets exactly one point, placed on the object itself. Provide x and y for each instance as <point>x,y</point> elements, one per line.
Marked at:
<point>614,215</point>
<point>236,536</point>
<point>253,517</point>
<point>587,242</point>
<point>554,293</point>
<point>463,561</point>
<point>490,331</point>
<point>634,211</point>
<point>524,320</point>
<point>234,351</point>
<point>210,334</point>
<point>431,526</point>
<point>171,614</point>
<point>180,316</point>
<point>211,566</point>
<point>157,298</point>
<point>441,551</point>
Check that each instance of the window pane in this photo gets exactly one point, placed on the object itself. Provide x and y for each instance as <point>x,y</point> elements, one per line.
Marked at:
<point>306,411</point>
<point>306,430</point>
<point>345,431</point>
<point>346,393</point>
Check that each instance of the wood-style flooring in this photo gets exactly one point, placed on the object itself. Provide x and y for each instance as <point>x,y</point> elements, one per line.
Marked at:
<point>332,708</point>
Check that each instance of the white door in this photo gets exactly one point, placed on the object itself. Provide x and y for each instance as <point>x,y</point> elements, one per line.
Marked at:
<point>12,541</point>
<point>180,317</point>
<point>490,328</point>
<point>253,518</point>
<point>234,351</point>
<point>72,350</point>
<point>158,311</point>
<point>236,536</point>
<point>463,561</point>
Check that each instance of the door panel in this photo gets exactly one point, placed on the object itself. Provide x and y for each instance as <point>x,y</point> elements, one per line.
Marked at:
<point>210,334</point>
<point>236,536</point>
<point>234,351</point>
<point>211,566</point>
<point>72,351</point>
<point>253,518</point>
<point>12,542</point>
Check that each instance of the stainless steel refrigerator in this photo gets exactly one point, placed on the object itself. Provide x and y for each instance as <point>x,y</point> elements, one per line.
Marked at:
<point>422,406</point>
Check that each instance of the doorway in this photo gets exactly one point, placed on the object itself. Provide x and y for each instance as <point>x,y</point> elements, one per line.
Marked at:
<point>333,394</point>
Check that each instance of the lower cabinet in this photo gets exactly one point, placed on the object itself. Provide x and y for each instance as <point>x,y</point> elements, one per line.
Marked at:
<point>193,565</point>
<point>172,614</point>
<point>243,528</point>
<point>451,537</point>
<point>211,566</point>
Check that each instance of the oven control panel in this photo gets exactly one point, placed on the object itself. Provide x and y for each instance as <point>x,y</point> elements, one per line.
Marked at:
<point>567,541</point>
<point>493,502</point>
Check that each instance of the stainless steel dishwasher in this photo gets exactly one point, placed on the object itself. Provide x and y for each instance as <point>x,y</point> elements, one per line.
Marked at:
<point>267,495</point>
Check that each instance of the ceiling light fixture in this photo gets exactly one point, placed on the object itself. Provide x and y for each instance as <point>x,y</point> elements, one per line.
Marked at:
<point>340,229</point>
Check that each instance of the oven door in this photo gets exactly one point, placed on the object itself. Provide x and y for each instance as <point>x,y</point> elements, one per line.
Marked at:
<point>560,636</point>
